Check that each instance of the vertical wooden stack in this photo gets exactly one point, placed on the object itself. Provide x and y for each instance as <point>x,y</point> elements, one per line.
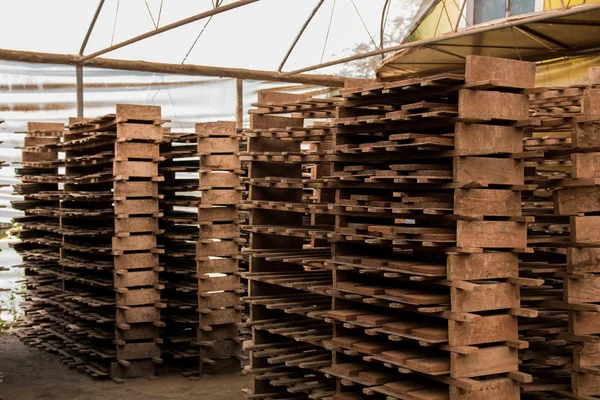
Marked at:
<point>104,304</point>
<point>549,149</point>
<point>201,230</point>
<point>180,225</point>
<point>217,253</point>
<point>428,229</point>
<point>134,243</point>
<point>40,236</point>
<point>287,281</point>
<point>578,198</point>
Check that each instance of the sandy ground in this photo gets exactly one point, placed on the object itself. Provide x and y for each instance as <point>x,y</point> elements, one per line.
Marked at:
<point>32,374</point>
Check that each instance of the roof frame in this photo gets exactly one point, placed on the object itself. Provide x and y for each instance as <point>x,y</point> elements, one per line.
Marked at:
<point>466,32</point>
<point>177,24</point>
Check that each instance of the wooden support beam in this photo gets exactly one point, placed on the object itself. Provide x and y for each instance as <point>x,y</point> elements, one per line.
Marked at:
<point>79,89</point>
<point>168,27</point>
<point>239,110</point>
<point>164,68</point>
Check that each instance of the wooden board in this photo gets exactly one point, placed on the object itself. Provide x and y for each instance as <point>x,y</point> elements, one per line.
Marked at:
<point>489,296</point>
<point>487,361</point>
<point>491,234</point>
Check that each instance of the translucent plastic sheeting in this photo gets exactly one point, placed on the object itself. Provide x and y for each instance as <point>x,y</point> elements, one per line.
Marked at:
<point>42,92</point>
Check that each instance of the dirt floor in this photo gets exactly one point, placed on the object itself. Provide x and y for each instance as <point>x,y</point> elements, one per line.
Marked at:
<point>32,374</point>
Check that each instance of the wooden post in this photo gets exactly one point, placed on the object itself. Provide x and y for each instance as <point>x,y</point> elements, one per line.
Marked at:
<point>79,88</point>
<point>239,110</point>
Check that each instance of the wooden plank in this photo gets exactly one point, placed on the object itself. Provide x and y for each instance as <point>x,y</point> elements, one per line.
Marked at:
<point>227,282</point>
<point>217,214</point>
<point>213,145</point>
<point>585,134</point>
<point>138,112</point>
<point>136,225</point>
<point>221,317</point>
<point>136,278</point>
<point>138,315</point>
<point>582,290</point>
<point>139,132</point>
<point>220,161</point>
<point>487,329</point>
<point>134,243</point>
<point>135,189</point>
<point>136,207</point>
<point>590,103</point>
<point>480,139</point>
<point>141,150</point>
<point>216,128</point>
<point>217,249</point>
<point>503,72</point>
<point>584,323</point>
<point>218,300</point>
<point>572,201</point>
<point>222,265</point>
<point>482,266</point>
<point>221,197</point>
<point>136,261</point>
<point>219,180</point>
<point>491,234</point>
<point>221,231</point>
<point>585,384</point>
<point>586,354</point>
<point>258,121</point>
<point>487,361</point>
<point>585,230</point>
<point>136,169</point>
<point>138,297</point>
<point>137,332</point>
<point>583,259</point>
<point>491,389</point>
<point>488,170</point>
<point>136,351</point>
<point>488,105</point>
<point>488,202</point>
<point>485,297</point>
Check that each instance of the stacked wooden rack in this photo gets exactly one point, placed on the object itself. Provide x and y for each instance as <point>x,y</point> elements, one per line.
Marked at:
<point>201,194</point>
<point>289,224</point>
<point>94,293</point>
<point>425,239</point>
<point>564,167</point>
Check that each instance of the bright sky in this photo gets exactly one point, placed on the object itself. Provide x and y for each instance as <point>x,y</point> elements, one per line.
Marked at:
<point>254,36</point>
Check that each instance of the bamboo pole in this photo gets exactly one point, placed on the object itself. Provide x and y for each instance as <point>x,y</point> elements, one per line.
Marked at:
<point>164,68</point>
<point>299,35</point>
<point>91,28</point>
<point>168,27</point>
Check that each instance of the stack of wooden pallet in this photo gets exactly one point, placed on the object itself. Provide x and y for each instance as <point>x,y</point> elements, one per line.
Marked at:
<point>179,205</point>
<point>103,307</point>
<point>201,193</point>
<point>290,220</point>
<point>40,237</point>
<point>549,147</point>
<point>428,228</point>
<point>568,170</point>
<point>217,250</point>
